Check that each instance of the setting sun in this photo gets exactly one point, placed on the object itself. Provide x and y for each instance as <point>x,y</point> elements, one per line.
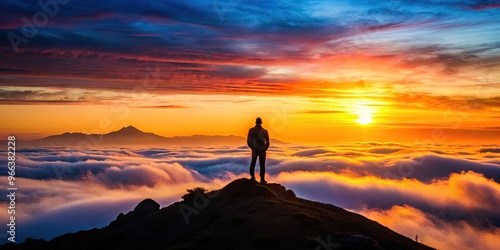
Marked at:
<point>364,110</point>
<point>364,118</point>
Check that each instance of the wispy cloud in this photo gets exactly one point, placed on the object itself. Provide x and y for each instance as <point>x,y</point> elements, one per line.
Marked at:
<point>249,39</point>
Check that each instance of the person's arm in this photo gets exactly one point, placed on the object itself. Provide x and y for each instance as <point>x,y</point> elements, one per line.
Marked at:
<point>249,140</point>
<point>268,142</point>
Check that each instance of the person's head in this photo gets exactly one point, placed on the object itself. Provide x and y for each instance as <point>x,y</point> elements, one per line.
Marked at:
<point>258,121</point>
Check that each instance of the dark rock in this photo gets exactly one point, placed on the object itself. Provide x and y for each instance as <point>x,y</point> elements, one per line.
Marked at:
<point>242,215</point>
<point>147,206</point>
<point>290,194</point>
<point>34,241</point>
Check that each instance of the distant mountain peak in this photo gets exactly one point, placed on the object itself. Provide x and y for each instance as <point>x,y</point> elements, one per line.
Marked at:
<point>131,135</point>
<point>130,129</point>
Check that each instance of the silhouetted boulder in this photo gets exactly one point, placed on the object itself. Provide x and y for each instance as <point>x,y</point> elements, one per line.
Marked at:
<point>290,194</point>
<point>147,206</point>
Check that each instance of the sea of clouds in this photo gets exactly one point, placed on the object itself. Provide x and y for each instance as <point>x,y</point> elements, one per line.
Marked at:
<point>447,194</point>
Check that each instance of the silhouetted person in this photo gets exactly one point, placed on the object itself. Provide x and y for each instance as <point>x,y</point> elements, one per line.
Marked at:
<point>258,141</point>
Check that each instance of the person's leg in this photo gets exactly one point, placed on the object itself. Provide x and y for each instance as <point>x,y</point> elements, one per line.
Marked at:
<point>252,164</point>
<point>262,162</point>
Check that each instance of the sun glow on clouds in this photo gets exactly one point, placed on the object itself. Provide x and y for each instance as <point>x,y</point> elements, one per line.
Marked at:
<point>434,231</point>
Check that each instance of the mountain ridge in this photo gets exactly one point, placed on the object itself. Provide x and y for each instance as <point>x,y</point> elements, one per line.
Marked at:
<point>241,215</point>
<point>131,135</point>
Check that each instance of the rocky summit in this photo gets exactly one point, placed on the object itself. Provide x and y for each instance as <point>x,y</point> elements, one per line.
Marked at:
<point>242,215</point>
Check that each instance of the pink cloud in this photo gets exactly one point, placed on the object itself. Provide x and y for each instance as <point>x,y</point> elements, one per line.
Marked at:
<point>433,231</point>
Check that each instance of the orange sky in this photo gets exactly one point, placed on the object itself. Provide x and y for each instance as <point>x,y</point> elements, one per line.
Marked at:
<point>289,118</point>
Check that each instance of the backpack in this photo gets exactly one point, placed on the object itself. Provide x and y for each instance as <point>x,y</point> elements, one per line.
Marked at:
<point>259,143</point>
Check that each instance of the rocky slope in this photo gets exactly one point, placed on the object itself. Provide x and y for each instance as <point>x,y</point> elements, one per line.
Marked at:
<point>242,215</point>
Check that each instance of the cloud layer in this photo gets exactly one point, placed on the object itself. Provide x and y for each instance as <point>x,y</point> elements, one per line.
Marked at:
<point>448,188</point>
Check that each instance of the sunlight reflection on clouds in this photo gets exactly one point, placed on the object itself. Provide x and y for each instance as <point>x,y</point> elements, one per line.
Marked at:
<point>457,185</point>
